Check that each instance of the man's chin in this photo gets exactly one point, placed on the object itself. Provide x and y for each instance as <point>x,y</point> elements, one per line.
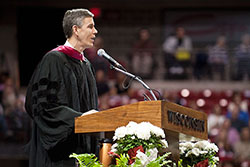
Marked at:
<point>90,46</point>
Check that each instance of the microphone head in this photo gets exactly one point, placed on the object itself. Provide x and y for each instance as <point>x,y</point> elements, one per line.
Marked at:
<point>100,52</point>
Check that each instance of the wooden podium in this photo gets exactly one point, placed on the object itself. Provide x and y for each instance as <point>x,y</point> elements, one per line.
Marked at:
<point>173,118</point>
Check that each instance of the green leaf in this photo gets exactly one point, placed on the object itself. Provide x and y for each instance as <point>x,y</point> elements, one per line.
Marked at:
<point>86,160</point>
<point>122,161</point>
<point>137,163</point>
<point>161,161</point>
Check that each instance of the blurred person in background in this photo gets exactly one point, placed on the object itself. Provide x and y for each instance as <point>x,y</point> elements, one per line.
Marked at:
<point>225,149</point>
<point>233,136</point>
<point>121,92</point>
<point>4,130</point>
<point>218,59</point>
<point>215,120</point>
<point>177,50</point>
<point>201,67</point>
<point>63,87</point>
<point>242,148</point>
<point>173,96</point>
<point>120,84</point>
<point>143,55</point>
<point>239,119</point>
<point>103,89</point>
<point>225,140</point>
<point>9,93</point>
<point>3,77</point>
<point>242,56</point>
<point>237,100</point>
<point>227,164</point>
<point>17,120</point>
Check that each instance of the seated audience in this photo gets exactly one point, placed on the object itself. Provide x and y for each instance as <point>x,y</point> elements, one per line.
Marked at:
<point>242,57</point>
<point>218,59</point>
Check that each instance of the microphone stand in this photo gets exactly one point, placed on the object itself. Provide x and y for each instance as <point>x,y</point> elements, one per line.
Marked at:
<point>136,78</point>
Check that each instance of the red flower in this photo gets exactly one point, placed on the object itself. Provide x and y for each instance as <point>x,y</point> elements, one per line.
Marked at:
<point>132,153</point>
<point>113,154</point>
<point>203,163</point>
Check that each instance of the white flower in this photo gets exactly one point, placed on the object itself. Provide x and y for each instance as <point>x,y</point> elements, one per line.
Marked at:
<point>206,145</point>
<point>164,143</point>
<point>203,152</point>
<point>216,159</point>
<point>114,138</point>
<point>157,131</point>
<point>187,145</point>
<point>212,147</point>
<point>195,151</point>
<point>188,153</point>
<point>143,157</point>
<point>142,130</point>
<point>120,132</point>
<point>152,154</point>
<point>131,127</point>
<point>131,124</point>
<point>142,133</point>
<point>113,148</point>
<point>201,144</point>
<point>182,150</point>
<point>153,129</point>
<point>147,159</point>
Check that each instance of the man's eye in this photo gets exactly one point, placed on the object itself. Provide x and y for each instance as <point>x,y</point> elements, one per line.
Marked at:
<point>90,26</point>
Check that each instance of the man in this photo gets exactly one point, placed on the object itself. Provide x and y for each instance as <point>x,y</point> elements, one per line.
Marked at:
<point>62,87</point>
<point>177,50</point>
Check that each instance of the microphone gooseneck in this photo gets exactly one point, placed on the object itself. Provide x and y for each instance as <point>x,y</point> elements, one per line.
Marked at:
<point>118,67</point>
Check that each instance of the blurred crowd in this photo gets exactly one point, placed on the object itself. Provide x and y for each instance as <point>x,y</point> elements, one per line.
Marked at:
<point>183,60</point>
<point>14,121</point>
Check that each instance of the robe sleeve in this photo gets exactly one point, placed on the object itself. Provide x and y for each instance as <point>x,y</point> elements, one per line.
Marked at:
<point>47,101</point>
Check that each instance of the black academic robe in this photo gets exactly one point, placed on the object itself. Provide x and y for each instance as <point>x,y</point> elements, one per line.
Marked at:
<point>60,89</point>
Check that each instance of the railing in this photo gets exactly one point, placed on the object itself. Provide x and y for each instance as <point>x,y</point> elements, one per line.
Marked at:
<point>236,66</point>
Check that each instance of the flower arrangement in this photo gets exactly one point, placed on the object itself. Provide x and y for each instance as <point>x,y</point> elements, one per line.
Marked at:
<point>139,145</point>
<point>201,153</point>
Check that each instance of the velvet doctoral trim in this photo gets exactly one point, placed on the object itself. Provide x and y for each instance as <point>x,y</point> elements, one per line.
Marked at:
<point>70,52</point>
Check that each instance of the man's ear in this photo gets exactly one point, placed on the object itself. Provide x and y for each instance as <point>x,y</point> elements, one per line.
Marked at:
<point>75,29</point>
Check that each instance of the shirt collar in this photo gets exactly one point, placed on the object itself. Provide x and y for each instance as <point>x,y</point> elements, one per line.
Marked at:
<point>69,45</point>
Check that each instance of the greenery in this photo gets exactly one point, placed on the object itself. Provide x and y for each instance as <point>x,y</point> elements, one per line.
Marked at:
<point>123,160</point>
<point>86,160</point>
<point>90,160</point>
<point>160,161</point>
<point>131,141</point>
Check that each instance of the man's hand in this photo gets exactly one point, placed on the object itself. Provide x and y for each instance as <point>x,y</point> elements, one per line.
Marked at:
<point>89,112</point>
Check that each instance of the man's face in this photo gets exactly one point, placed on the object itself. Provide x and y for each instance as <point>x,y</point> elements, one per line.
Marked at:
<point>87,33</point>
<point>180,32</point>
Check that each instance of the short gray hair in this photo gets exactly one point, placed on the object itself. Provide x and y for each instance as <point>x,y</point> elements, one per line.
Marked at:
<point>74,17</point>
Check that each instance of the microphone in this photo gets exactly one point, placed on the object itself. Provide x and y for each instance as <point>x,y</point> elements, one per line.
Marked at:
<point>112,61</point>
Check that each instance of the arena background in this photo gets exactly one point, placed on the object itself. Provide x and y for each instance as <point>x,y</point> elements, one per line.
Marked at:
<point>29,29</point>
